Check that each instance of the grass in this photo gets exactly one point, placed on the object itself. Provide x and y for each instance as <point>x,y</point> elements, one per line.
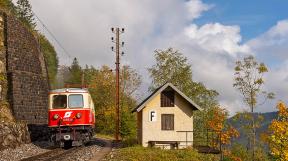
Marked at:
<point>104,136</point>
<point>138,153</point>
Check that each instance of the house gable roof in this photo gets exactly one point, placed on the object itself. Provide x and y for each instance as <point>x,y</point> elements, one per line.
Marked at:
<point>158,91</point>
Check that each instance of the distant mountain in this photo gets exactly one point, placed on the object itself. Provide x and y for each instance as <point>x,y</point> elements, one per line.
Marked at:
<point>268,117</point>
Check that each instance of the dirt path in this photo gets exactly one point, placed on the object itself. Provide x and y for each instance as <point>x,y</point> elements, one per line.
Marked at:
<point>104,151</point>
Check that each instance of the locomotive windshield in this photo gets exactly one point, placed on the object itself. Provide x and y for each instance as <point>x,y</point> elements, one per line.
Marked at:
<point>75,101</point>
<point>59,101</point>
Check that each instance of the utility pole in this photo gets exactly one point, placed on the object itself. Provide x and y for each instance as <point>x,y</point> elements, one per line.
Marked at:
<point>117,33</point>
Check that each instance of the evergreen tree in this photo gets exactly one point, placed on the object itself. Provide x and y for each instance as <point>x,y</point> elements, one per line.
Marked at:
<point>25,14</point>
<point>75,72</point>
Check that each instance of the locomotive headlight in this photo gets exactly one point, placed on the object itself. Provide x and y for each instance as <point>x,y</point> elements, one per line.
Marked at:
<point>56,116</point>
<point>78,115</point>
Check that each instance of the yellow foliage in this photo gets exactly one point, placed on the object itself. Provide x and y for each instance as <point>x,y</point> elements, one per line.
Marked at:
<point>278,138</point>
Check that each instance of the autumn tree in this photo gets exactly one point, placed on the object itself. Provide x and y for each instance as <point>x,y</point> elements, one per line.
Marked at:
<point>101,84</point>
<point>278,139</point>
<point>8,6</point>
<point>249,81</point>
<point>217,125</point>
<point>25,14</point>
<point>102,89</point>
<point>222,133</point>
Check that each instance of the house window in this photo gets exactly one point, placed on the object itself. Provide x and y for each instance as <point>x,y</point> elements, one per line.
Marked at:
<point>167,99</point>
<point>152,116</point>
<point>167,122</point>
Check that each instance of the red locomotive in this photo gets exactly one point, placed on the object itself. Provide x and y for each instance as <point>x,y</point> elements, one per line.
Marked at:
<point>71,116</point>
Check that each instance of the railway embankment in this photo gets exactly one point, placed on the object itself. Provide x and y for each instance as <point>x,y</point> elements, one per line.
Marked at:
<point>43,150</point>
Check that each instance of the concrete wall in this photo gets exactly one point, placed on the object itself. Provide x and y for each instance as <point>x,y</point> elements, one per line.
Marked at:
<point>183,121</point>
<point>26,72</point>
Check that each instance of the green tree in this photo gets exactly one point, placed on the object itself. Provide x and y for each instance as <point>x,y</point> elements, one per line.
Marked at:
<point>130,82</point>
<point>172,66</point>
<point>75,73</point>
<point>25,14</point>
<point>51,59</point>
<point>249,81</point>
<point>89,72</point>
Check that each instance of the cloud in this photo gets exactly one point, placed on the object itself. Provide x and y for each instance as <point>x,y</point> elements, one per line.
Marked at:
<point>276,81</point>
<point>217,38</point>
<point>280,30</point>
<point>272,44</point>
<point>196,7</point>
<point>271,48</point>
<point>83,28</point>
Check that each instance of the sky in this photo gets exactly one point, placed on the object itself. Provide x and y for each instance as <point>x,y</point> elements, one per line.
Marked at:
<point>211,34</point>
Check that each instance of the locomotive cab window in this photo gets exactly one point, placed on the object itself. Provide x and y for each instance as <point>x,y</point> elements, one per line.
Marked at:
<point>59,101</point>
<point>76,101</point>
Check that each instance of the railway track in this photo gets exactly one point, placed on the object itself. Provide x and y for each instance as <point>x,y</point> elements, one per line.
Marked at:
<point>53,155</point>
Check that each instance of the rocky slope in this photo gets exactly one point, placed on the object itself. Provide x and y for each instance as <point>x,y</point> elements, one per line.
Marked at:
<point>12,133</point>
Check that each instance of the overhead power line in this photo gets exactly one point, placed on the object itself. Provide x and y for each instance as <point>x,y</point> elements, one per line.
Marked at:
<point>53,36</point>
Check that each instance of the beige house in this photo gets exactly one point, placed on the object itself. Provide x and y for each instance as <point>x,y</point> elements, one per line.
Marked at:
<point>165,118</point>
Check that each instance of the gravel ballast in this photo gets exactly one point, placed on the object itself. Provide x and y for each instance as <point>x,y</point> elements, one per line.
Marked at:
<point>21,152</point>
<point>28,150</point>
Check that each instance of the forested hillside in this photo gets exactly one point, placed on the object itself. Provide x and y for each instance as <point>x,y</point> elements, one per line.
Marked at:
<point>263,125</point>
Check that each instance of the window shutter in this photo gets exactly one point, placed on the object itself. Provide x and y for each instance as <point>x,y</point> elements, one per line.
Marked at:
<point>167,122</point>
<point>167,99</point>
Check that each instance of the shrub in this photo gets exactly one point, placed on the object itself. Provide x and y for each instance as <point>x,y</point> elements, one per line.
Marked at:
<point>138,153</point>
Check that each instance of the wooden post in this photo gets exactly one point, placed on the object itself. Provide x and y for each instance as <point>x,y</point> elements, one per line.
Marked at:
<point>117,98</point>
